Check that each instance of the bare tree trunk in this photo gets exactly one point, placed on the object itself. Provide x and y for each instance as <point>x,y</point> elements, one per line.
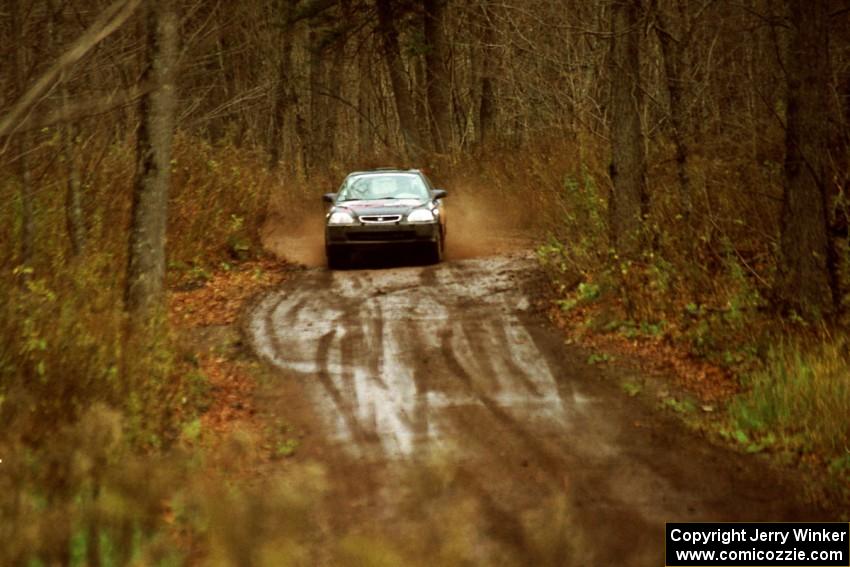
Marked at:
<point>333,106</point>
<point>283,88</point>
<point>806,282</point>
<point>93,530</point>
<point>73,206</point>
<point>398,80</point>
<point>302,136</point>
<point>419,90</point>
<point>146,257</point>
<point>438,84</point>
<point>22,145</point>
<point>219,127</point>
<point>489,62</point>
<point>317,116</point>
<point>628,162</point>
<point>838,181</point>
<point>365,92</point>
<point>25,194</point>
<point>330,133</point>
<point>839,210</point>
<point>73,188</point>
<point>339,107</point>
<point>674,59</point>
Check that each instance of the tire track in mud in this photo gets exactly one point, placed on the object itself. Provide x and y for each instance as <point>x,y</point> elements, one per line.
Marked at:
<point>404,364</point>
<point>378,359</point>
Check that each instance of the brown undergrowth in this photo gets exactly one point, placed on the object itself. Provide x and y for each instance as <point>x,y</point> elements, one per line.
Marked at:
<point>221,296</point>
<point>698,305</point>
<point>87,418</point>
<point>788,405</point>
<point>707,382</point>
<point>206,318</point>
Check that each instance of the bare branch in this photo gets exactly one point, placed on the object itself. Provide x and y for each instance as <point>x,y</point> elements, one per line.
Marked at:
<point>110,20</point>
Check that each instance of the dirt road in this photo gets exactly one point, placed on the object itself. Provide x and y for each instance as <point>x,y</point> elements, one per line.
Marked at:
<point>450,412</point>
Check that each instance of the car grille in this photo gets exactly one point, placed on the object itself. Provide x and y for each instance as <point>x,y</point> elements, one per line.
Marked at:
<point>380,219</point>
<point>383,235</point>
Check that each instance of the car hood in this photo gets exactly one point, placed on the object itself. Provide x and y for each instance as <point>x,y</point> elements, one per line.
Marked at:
<point>381,206</point>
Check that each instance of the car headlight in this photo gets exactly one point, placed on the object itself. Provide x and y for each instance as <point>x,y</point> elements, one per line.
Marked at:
<point>341,217</point>
<point>420,215</point>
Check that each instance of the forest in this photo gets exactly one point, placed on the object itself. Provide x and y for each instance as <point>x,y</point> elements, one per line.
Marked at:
<point>680,168</point>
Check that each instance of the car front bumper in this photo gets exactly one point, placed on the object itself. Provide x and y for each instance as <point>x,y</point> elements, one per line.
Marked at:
<point>377,234</point>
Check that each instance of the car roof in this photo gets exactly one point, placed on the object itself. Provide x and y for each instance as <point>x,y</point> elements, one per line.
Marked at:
<point>384,170</point>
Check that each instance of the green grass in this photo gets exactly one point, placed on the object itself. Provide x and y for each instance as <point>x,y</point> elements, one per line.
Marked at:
<point>680,406</point>
<point>803,396</point>
<point>631,388</point>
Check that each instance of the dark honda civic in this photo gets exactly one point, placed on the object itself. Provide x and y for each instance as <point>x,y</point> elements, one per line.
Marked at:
<point>382,208</point>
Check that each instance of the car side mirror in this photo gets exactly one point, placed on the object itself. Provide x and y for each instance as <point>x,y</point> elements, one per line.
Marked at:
<point>439,194</point>
<point>329,197</point>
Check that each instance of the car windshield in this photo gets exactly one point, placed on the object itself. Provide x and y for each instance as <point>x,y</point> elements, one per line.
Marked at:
<point>384,186</point>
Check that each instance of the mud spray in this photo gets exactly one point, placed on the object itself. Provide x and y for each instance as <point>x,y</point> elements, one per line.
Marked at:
<point>479,223</point>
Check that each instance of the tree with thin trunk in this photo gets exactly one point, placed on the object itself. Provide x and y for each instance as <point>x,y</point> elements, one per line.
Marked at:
<point>419,89</point>
<point>73,184</point>
<point>438,84</point>
<point>317,100</point>
<point>283,88</point>
<point>73,189</point>
<point>365,94</point>
<point>22,145</point>
<point>146,255</point>
<point>330,134</point>
<point>487,103</point>
<point>674,53</point>
<point>807,282</point>
<point>628,162</point>
<point>398,79</point>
